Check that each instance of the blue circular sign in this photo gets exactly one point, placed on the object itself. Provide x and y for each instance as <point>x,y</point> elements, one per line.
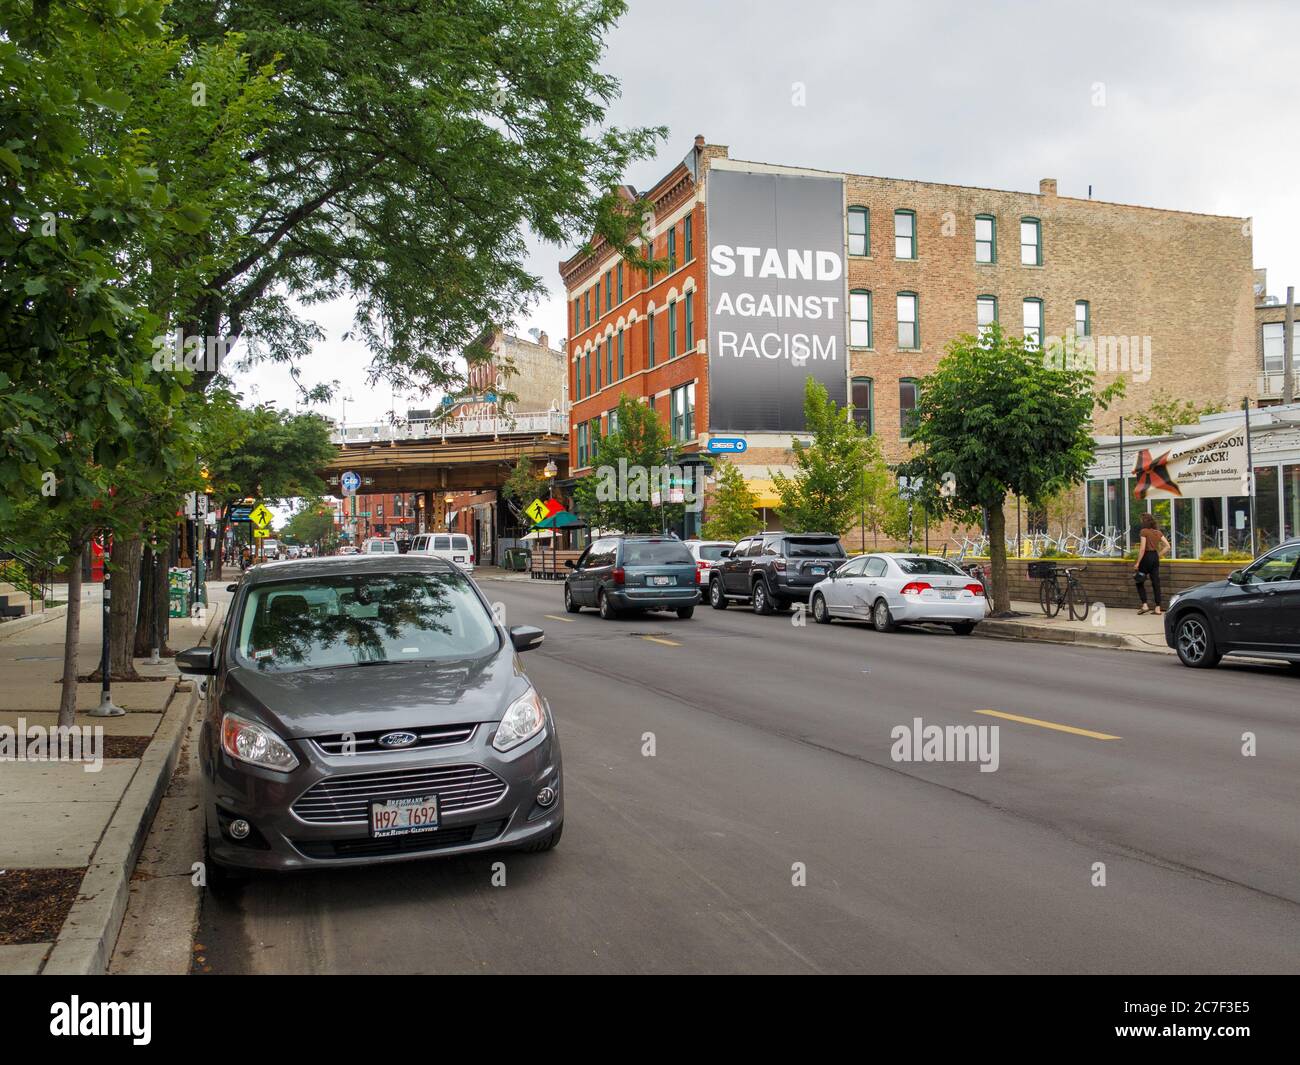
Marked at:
<point>349,482</point>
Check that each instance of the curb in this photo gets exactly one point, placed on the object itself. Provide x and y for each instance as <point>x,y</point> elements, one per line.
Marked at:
<point>89,933</point>
<point>1021,630</point>
<point>11,628</point>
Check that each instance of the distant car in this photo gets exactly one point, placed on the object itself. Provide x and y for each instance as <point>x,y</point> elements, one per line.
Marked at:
<point>621,573</point>
<point>1255,611</point>
<point>774,569</point>
<point>890,590</point>
<point>454,547</point>
<point>367,710</point>
<point>707,554</point>
<point>348,549</point>
<point>379,545</point>
<point>293,551</point>
<point>270,550</point>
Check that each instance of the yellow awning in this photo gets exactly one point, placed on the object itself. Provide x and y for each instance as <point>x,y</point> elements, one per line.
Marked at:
<point>764,492</point>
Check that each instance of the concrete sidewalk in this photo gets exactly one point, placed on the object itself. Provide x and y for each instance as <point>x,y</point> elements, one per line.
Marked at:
<point>84,817</point>
<point>1106,626</point>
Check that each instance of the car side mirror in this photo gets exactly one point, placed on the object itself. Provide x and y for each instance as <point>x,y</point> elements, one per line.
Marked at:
<point>526,637</point>
<point>1237,576</point>
<point>232,587</point>
<point>726,552</point>
<point>200,661</point>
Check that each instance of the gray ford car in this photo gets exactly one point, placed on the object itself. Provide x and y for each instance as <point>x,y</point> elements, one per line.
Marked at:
<point>371,709</point>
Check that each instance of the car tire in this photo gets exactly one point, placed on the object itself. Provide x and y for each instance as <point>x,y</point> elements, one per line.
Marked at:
<point>1194,641</point>
<point>686,612</point>
<point>606,608</point>
<point>963,628</point>
<point>569,605</point>
<point>820,611</point>
<point>761,598</point>
<point>717,598</point>
<point>546,843</point>
<point>881,618</point>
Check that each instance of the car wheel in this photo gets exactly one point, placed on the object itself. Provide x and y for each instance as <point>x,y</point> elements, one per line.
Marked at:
<point>963,628</point>
<point>761,600</point>
<point>685,612</point>
<point>820,612</point>
<point>1195,643</point>
<point>569,604</point>
<point>881,618</point>
<point>607,610</point>
<point>717,599</point>
<point>546,843</point>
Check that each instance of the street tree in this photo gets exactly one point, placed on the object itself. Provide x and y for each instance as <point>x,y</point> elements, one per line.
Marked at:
<point>523,486</point>
<point>312,524</point>
<point>631,465</point>
<point>732,507</point>
<point>827,490</point>
<point>1165,411</point>
<point>999,417</point>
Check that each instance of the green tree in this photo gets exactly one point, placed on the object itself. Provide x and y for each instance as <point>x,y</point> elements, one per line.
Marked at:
<point>631,464</point>
<point>732,507</point>
<point>999,417</point>
<point>1165,411</point>
<point>312,523</point>
<point>523,486</point>
<point>827,490</point>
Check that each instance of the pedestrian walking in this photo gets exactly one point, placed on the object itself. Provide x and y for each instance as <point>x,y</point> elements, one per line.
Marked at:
<point>1152,544</point>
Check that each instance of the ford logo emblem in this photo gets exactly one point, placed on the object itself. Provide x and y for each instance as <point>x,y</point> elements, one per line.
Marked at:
<point>397,739</point>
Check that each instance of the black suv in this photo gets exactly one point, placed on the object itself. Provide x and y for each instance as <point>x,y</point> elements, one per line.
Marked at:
<point>774,569</point>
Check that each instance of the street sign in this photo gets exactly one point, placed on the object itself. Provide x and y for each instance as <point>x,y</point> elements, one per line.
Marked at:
<point>261,534</point>
<point>908,487</point>
<point>261,516</point>
<point>196,505</point>
<point>240,511</point>
<point>536,511</point>
<point>349,483</point>
<point>736,445</point>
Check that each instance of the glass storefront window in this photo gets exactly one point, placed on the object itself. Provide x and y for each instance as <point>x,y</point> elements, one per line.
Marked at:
<point>1239,523</point>
<point>1291,501</point>
<point>1184,534</point>
<point>1211,525</point>
<point>1161,508</point>
<point>1268,523</point>
<point>1096,507</point>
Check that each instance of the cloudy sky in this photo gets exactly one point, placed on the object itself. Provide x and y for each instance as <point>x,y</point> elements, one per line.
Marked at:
<point>1184,105</point>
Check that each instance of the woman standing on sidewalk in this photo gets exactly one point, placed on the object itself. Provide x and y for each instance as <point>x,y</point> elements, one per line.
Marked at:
<point>1151,545</point>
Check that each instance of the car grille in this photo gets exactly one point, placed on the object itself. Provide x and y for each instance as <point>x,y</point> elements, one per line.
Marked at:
<point>346,799</point>
<point>365,847</point>
<point>337,743</point>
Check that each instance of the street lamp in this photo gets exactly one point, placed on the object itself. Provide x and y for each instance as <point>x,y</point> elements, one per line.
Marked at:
<point>447,501</point>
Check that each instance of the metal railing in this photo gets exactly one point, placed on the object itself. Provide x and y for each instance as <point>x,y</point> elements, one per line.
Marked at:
<point>28,572</point>
<point>553,422</point>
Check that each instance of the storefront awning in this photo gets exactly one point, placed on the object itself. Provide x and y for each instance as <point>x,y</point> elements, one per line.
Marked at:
<point>764,492</point>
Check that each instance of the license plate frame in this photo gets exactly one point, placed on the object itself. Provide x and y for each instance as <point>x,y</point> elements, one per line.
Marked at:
<point>417,809</point>
<point>662,582</point>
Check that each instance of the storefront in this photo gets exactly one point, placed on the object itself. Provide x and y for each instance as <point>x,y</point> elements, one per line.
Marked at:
<point>1211,526</point>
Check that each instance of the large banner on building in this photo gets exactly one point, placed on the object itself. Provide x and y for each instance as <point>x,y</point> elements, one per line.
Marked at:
<point>1210,465</point>
<point>776,297</point>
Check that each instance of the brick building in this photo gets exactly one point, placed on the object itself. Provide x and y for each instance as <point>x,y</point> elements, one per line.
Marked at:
<point>1270,346</point>
<point>1165,297</point>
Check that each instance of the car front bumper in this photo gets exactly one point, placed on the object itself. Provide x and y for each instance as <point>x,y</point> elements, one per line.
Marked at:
<point>284,840</point>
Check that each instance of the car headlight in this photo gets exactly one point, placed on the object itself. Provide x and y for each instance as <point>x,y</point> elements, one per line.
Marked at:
<point>524,720</point>
<point>247,741</point>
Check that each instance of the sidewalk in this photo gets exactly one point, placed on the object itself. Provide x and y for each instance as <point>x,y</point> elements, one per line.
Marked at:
<point>72,829</point>
<point>1120,627</point>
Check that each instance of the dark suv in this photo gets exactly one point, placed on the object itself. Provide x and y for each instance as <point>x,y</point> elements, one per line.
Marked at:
<point>618,573</point>
<point>774,569</point>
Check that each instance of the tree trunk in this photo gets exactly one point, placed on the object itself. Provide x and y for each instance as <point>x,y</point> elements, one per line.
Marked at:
<point>998,558</point>
<point>151,572</point>
<point>124,557</point>
<point>72,634</point>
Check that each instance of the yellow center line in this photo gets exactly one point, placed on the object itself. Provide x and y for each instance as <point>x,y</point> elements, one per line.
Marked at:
<point>1051,724</point>
<point>666,643</point>
<point>556,617</point>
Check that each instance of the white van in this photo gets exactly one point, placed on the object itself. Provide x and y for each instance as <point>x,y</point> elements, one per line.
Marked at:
<point>454,547</point>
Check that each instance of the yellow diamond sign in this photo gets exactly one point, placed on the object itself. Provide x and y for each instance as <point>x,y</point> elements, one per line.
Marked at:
<point>536,510</point>
<point>260,516</point>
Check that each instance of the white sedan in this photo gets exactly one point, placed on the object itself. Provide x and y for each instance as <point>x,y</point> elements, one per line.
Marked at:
<point>890,590</point>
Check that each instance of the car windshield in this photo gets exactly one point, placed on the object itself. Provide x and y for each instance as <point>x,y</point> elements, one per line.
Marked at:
<point>935,567</point>
<point>814,547</point>
<point>713,552</point>
<point>655,553</point>
<point>354,620</point>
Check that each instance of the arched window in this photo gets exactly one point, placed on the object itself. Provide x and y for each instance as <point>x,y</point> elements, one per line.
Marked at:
<point>864,403</point>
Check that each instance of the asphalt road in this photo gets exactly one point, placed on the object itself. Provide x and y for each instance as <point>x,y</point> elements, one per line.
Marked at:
<point>772,831</point>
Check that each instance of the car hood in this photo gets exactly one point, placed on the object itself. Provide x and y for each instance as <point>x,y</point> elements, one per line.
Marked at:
<point>394,695</point>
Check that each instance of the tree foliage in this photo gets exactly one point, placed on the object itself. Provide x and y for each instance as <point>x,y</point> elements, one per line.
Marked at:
<point>631,463</point>
<point>1165,411</point>
<point>732,507</point>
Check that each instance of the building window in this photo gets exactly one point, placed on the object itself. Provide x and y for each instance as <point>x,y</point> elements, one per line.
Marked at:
<point>620,282</point>
<point>1082,319</point>
<point>909,335</point>
<point>582,444</point>
<point>986,248</point>
<point>586,374</point>
<point>688,240</point>
<point>859,319</point>
<point>909,395</point>
<point>672,248</point>
<point>649,254</point>
<point>600,357</point>
<point>1033,323</point>
<point>690,321</point>
<point>612,422</point>
<point>577,315</point>
<point>595,302</point>
<point>864,403</point>
<point>683,412</point>
<point>609,289</point>
<point>1031,242</point>
<point>609,360</point>
<point>986,313</point>
<point>586,309</point>
<point>650,339</point>
<point>859,231</point>
<point>577,377</point>
<point>621,370</point>
<point>1273,335</point>
<point>672,330</point>
<point>904,234</point>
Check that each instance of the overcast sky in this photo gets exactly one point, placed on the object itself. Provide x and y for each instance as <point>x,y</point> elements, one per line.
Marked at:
<point>1186,105</point>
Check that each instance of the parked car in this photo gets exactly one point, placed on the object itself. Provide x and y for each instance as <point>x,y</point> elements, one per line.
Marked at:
<point>1255,612</point>
<point>379,545</point>
<point>707,554</point>
<point>771,570</point>
<point>371,709</point>
<point>270,549</point>
<point>348,549</point>
<point>292,551</point>
<point>891,590</point>
<point>455,547</point>
<point>619,573</point>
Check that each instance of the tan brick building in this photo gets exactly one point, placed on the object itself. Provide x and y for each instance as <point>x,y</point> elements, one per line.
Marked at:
<point>1270,351</point>
<point>1165,296</point>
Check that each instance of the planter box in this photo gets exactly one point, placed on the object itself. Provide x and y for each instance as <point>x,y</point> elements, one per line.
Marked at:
<point>1110,580</point>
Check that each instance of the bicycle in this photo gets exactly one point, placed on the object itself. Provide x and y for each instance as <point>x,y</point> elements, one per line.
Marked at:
<point>1052,596</point>
<point>976,572</point>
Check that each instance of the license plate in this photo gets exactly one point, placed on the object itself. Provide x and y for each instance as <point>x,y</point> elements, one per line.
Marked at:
<point>401,817</point>
<point>660,582</point>
<point>947,595</point>
<point>818,571</point>
<point>458,558</point>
